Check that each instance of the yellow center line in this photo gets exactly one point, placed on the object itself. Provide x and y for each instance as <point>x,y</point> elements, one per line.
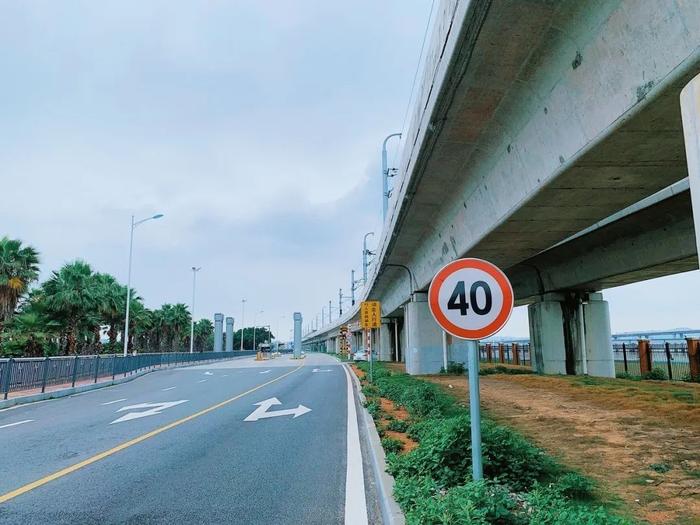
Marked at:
<point>68,470</point>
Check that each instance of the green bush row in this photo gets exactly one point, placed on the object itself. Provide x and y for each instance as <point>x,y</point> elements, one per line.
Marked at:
<point>433,482</point>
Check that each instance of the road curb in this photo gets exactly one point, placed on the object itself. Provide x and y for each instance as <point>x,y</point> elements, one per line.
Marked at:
<point>65,392</point>
<point>391,512</point>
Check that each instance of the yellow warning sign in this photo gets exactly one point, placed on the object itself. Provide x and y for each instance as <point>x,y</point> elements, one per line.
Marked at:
<point>370,314</point>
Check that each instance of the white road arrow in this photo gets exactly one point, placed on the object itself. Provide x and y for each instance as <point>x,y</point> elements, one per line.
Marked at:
<point>153,410</point>
<point>208,373</point>
<point>262,411</point>
<point>320,370</point>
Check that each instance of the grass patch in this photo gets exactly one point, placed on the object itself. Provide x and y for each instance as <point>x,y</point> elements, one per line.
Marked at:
<point>434,486</point>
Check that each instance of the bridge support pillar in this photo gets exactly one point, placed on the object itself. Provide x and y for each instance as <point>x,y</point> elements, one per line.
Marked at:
<point>457,350</point>
<point>385,350</point>
<point>690,111</point>
<point>424,338</point>
<point>218,332</point>
<point>229,334</point>
<point>570,334</point>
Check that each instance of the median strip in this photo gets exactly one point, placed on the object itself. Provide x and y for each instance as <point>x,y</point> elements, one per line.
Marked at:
<point>102,455</point>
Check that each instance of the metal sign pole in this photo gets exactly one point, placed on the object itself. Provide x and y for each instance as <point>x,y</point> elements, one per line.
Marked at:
<point>368,339</point>
<point>475,409</point>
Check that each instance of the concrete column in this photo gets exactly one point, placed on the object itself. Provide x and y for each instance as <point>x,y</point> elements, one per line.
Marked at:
<point>297,335</point>
<point>547,337</point>
<point>694,357</point>
<point>218,332</point>
<point>599,350</point>
<point>457,350</point>
<point>570,334</point>
<point>424,348</point>
<point>690,112</point>
<point>229,334</point>
<point>385,352</point>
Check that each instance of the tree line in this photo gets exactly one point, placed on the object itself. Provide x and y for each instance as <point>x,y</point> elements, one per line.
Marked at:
<point>80,311</point>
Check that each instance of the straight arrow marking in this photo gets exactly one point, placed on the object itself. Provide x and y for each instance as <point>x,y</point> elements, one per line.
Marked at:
<point>263,412</point>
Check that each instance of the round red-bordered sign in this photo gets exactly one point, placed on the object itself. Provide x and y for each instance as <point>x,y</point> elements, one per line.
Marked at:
<point>471,298</point>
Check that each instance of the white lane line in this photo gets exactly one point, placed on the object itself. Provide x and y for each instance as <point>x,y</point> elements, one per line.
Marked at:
<point>225,375</point>
<point>355,501</point>
<point>17,423</point>
<point>169,388</point>
<point>201,381</point>
<point>266,372</point>
<point>112,402</point>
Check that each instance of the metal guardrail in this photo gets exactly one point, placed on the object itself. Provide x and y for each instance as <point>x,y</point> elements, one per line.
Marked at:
<point>36,373</point>
<point>672,358</point>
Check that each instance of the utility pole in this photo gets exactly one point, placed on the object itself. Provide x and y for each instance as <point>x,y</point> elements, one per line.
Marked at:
<point>385,176</point>
<point>352,287</point>
<point>242,321</point>
<point>365,253</point>
<point>330,314</point>
<point>194,287</point>
<point>340,303</point>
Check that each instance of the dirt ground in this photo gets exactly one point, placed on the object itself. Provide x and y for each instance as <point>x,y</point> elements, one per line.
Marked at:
<point>639,440</point>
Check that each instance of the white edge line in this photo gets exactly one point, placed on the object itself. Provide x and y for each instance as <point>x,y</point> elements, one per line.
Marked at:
<point>111,402</point>
<point>355,501</point>
<point>17,423</point>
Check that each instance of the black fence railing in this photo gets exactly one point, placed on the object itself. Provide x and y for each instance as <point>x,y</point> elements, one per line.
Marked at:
<point>505,353</point>
<point>28,373</point>
<point>671,358</point>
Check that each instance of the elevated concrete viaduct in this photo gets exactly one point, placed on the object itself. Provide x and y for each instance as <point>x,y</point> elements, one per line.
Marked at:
<point>534,122</point>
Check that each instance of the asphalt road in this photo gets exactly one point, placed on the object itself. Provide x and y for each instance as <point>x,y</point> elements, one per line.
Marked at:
<point>194,459</point>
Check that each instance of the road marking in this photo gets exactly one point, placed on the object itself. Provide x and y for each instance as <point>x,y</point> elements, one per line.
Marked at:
<point>115,401</point>
<point>355,502</point>
<point>89,461</point>
<point>266,372</point>
<point>169,388</point>
<point>153,410</point>
<point>321,370</point>
<point>263,411</point>
<point>208,373</point>
<point>201,381</point>
<point>225,375</point>
<point>17,423</point>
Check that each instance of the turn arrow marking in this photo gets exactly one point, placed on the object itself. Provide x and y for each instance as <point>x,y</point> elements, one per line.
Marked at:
<point>319,370</point>
<point>153,410</point>
<point>263,412</point>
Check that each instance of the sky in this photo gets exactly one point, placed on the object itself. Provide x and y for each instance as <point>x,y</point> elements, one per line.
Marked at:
<point>254,127</point>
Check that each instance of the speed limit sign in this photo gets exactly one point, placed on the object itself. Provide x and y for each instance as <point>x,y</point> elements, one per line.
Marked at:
<point>470,298</point>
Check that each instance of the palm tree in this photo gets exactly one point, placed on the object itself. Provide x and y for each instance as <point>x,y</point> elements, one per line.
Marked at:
<point>30,333</point>
<point>111,298</point>
<point>202,331</point>
<point>71,297</point>
<point>19,267</point>
<point>178,318</point>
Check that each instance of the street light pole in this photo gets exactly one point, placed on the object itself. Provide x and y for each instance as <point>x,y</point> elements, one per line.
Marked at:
<point>385,176</point>
<point>254,324</point>
<point>365,253</point>
<point>194,285</point>
<point>242,321</point>
<point>128,281</point>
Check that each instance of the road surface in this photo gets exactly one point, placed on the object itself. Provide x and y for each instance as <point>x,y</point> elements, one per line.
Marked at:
<point>228,442</point>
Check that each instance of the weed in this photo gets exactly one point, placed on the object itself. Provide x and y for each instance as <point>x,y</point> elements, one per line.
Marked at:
<point>392,445</point>
<point>396,425</point>
<point>661,468</point>
<point>656,373</point>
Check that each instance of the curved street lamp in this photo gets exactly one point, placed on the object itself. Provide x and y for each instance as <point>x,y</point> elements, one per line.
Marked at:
<point>134,224</point>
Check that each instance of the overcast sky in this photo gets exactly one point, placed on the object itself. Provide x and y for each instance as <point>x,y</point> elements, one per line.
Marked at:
<point>255,127</point>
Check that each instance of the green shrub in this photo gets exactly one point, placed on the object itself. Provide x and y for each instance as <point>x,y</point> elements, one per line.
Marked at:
<point>656,373</point>
<point>624,375</point>
<point>444,454</point>
<point>661,468</point>
<point>421,399</point>
<point>453,368</point>
<point>397,425</point>
<point>478,502</point>
<point>574,485</point>
<point>501,369</point>
<point>373,408</point>
<point>392,445</point>
<point>548,506</point>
